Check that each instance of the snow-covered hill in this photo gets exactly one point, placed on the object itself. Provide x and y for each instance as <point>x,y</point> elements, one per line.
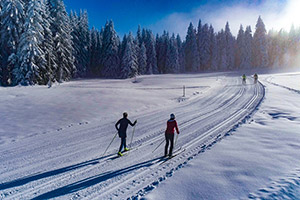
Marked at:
<point>52,140</point>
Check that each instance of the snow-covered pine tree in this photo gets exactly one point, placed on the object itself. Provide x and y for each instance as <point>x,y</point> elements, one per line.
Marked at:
<point>198,37</point>
<point>84,44</point>
<point>172,56</point>
<point>240,46</point>
<point>192,60</point>
<point>63,49</point>
<point>214,50</point>
<point>180,47</point>
<point>32,66</point>
<point>110,52</point>
<point>162,44</point>
<point>76,43</point>
<point>247,61</point>
<point>11,27</point>
<point>151,53</point>
<point>230,43</point>
<point>129,66</point>
<point>260,54</point>
<point>142,59</point>
<point>47,45</point>
<point>94,53</point>
<point>139,38</point>
<point>123,47</point>
<point>221,40</point>
<point>204,44</point>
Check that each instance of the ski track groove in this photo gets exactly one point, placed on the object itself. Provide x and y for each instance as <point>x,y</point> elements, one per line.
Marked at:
<point>196,140</point>
<point>47,185</point>
<point>282,86</point>
<point>66,176</point>
<point>180,165</point>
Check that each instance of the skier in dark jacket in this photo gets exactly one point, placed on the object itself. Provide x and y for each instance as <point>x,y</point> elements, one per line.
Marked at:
<point>169,134</point>
<point>255,76</point>
<point>122,131</point>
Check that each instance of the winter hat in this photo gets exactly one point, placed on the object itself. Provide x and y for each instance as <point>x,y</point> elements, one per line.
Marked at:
<point>125,114</point>
<point>172,116</point>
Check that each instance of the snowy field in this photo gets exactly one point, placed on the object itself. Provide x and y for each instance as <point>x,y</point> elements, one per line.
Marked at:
<point>237,141</point>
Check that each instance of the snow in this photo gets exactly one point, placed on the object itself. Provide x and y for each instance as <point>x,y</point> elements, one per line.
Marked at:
<point>237,144</point>
<point>258,160</point>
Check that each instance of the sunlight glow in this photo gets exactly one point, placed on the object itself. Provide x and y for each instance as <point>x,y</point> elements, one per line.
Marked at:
<point>289,16</point>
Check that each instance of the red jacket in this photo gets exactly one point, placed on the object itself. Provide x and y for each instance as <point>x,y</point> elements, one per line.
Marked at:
<point>171,125</point>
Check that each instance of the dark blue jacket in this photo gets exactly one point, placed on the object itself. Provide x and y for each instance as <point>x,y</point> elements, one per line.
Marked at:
<point>123,126</point>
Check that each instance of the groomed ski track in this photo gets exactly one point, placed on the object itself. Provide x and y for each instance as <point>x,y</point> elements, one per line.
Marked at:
<point>202,122</point>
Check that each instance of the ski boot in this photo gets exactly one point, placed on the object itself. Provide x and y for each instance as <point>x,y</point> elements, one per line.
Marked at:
<point>126,149</point>
<point>120,154</point>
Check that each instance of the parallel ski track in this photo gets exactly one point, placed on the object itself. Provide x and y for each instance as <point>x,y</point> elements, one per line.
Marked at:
<point>44,184</point>
<point>209,137</point>
<point>49,184</point>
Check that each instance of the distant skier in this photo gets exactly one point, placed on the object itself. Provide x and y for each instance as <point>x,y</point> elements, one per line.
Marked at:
<point>244,78</point>
<point>122,131</point>
<point>255,76</point>
<point>169,134</point>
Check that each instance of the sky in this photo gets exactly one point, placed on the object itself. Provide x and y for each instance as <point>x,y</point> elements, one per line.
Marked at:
<point>175,15</point>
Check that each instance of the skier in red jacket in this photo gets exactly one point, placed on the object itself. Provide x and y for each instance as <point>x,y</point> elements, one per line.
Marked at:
<point>169,133</point>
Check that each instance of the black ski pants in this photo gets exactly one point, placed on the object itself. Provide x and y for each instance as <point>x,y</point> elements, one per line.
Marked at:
<point>123,143</point>
<point>169,139</point>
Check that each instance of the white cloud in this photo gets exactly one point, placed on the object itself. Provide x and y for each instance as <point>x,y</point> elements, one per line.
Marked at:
<point>276,14</point>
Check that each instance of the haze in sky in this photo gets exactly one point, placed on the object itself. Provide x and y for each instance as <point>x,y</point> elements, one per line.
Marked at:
<point>175,15</point>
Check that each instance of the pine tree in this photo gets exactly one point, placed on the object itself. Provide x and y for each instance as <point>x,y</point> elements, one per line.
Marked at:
<point>172,56</point>
<point>180,47</point>
<point>260,54</point>
<point>161,51</point>
<point>240,47</point>
<point>192,60</point>
<point>95,48</point>
<point>129,67</point>
<point>32,66</point>
<point>247,61</point>
<point>139,36</point>
<point>213,64</point>
<point>12,16</point>
<point>84,44</point>
<point>204,45</point>
<point>142,59</point>
<point>110,52</point>
<point>222,54</point>
<point>230,43</point>
<point>61,31</point>
<point>151,52</point>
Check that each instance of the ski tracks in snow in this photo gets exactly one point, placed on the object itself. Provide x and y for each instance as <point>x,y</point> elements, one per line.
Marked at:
<point>202,122</point>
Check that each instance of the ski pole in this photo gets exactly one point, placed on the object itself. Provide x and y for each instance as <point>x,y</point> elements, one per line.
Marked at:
<point>110,144</point>
<point>158,146</point>
<point>132,135</point>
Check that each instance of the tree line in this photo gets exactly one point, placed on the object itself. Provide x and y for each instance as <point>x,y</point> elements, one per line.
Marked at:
<point>41,43</point>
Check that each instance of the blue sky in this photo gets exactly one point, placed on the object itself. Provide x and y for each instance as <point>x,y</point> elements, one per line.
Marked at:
<point>175,15</point>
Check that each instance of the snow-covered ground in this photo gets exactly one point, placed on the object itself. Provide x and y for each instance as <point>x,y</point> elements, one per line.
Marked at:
<point>237,141</point>
<point>259,159</point>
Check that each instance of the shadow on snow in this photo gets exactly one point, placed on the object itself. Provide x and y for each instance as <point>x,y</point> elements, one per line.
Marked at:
<point>35,177</point>
<point>88,182</point>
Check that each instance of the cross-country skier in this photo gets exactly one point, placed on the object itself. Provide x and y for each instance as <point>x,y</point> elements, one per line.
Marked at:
<point>255,76</point>
<point>169,133</point>
<point>244,78</point>
<point>122,131</point>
